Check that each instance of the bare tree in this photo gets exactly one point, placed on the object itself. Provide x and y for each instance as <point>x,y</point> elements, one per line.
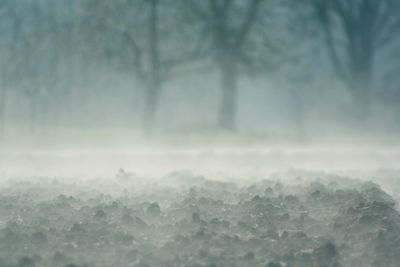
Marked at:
<point>4,8</point>
<point>142,34</point>
<point>355,32</point>
<point>3,100</point>
<point>8,68</point>
<point>3,95</point>
<point>154,76</point>
<point>33,65</point>
<point>229,23</point>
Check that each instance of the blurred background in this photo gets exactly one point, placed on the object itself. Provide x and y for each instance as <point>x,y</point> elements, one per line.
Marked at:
<point>112,72</point>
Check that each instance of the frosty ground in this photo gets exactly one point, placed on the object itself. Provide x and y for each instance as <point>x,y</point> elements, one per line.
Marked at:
<point>200,208</point>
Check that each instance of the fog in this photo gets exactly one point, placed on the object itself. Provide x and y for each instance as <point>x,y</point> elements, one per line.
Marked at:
<point>199,133</point>
<point>291,69</point>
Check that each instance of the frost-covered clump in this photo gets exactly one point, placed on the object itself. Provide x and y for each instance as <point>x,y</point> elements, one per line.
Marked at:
<point>319,223</point>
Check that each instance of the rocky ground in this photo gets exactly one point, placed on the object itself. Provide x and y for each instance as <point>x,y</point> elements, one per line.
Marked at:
<point>187,220</point>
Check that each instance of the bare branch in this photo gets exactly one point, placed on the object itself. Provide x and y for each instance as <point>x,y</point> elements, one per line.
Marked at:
<point>248,22</point>
<point>193,4</point>
<point>197,53</point>
<point>322,10</point>
<point>133,44</point>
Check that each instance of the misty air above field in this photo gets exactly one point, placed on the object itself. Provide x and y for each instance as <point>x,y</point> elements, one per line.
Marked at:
<point>281,67</point>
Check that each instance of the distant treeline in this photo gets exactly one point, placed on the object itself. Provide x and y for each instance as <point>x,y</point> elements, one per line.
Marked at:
<point>142,64</point>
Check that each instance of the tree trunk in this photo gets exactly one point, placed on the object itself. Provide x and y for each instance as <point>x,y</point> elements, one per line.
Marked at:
<point>299,127</point>
<point>361,93</point>
<point>361,54</point>
<point>33,113</point>
<point>153,85</point>
<point>150,108</point>
<point>3,101</point>
<point>228,72</point>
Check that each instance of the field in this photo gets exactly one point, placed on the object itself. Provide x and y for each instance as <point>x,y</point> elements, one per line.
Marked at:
<point>227,207</point>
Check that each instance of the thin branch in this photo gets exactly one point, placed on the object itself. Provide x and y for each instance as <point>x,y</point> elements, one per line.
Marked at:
<point>321,9</point>
<point>197,9</point>
<point>197,53</point>
<point>133,44</point>
<point>248,22</point>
